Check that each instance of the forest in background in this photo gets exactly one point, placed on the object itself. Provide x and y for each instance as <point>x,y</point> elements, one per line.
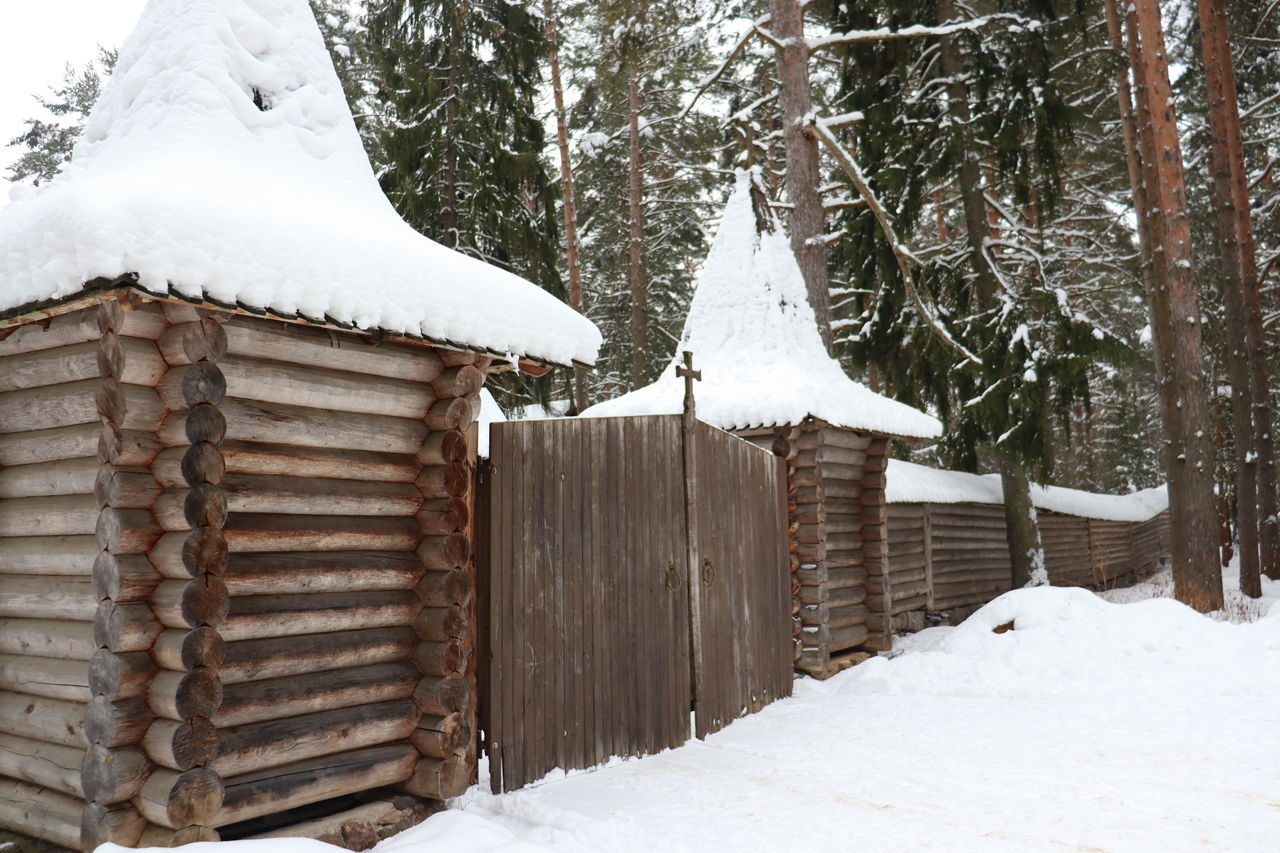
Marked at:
<point>998,218</point>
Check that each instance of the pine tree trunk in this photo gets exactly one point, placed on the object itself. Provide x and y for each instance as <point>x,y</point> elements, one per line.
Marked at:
<point>1224,133</point>
<point>1175,320</point>
<point>804,173</point>
<point>1026,552</point>
<point>636,283</point>
<point>572,259</point>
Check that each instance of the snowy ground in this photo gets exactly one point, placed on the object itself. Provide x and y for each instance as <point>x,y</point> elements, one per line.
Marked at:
<point>1089,726</point>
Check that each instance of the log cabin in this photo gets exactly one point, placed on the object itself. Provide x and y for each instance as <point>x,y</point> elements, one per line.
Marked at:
<point>237,397</point>
<point>767,377</point>
<point>949,550</point>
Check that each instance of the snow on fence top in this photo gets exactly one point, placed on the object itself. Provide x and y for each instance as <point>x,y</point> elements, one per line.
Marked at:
<point>911,483</point>
<point>755,339</point>
<point>222,163</point>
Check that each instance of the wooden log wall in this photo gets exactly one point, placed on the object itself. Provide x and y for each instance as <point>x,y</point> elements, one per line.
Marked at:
<point>235,571</point>
<point>952,556</point>
<point>836,513</point>
<point>78,416</point>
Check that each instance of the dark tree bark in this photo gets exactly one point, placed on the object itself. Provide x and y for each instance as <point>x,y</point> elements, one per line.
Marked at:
<point>1227,161</point>
<point>804,174</point>
<point>572,261</point>
<point>1175,319</point>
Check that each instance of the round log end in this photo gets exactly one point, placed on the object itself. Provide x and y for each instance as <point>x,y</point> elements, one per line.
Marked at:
<point>205,506</point>
<point>199,693</point>
<point>205,601</point>
<point>203,382</point>
<point>205,340</point>
<point>206,423</point>
<point>205,552</point>
<point>203,463</point>
<point>203,646</point>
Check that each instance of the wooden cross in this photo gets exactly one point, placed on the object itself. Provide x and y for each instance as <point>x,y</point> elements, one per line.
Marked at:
<point>689,374</point>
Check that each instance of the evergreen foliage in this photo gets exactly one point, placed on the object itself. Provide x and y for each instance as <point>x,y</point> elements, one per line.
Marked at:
<point>48,140</point>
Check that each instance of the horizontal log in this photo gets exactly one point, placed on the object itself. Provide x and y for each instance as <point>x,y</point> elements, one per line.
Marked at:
<point>181,744</point>
<point>62,515</point>
<point>138,361</point>
<point>127,447</point>
<point>277,657</point>
<point>129,577</point>
<point>39,718</point>
<point>443,695</point>
<point>47,597</point>
<point>249,493</point>
<point>162,836</point>
<point>844,438</point>
<point>441,623</point>
<point>180,650</point>
<point>258,616</point>
<point>442,736</point>
<point>128,488</point>
<point>445,553</point>
<point>52,766</point>
<point>183,695</point>
<point>117,823</point>
<point>74,327</point>
<point>241,457</point>
<point>258,746</point>
<point>441,589</point>
<point>47,638</point>
<point>130,627</point>
<point>112,724</point>
<point>320,571</point>
<point>337,350</point>
<point>44,676</point>
<point>48,555</point>
<point>119,676</point>
<point>462,381</point>
<point>41,812</point>
<point>442,658</point>
<point>178,799</point>
<point>249,421</point>
<point>249,378</point>
<point>50,445</point>
<point>315,779</point>
<point>254,532</point>
<point>455,413</point>
<point>291,696</point>
<point>848,637</point>
<point>126,531</point>
<point>114,775</point>
<point>127,407</point>
<point>198,340</point>
<point>443,448</point>
<point>440,778</point>
<point>62,477</point>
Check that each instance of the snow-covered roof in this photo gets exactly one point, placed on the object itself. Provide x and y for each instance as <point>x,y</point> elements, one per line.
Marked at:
<point>222,163</point>
<point>907,482</point>
<point>753,335</point>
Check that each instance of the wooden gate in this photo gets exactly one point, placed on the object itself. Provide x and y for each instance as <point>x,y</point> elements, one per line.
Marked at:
<point>601,638</point>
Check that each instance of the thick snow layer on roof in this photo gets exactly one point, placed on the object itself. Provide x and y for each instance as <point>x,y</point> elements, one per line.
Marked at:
<point>753,335</point>
<point>907,482</point>
<point>182,179</point>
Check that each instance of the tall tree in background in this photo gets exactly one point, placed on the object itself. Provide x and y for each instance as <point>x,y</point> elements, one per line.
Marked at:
<point>1250,396</point>
<point>48,141</point>
<point>1175,315</point>
<point>459,135</point>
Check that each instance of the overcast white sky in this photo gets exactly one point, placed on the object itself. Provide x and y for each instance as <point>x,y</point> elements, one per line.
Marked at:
<point>38,38</point>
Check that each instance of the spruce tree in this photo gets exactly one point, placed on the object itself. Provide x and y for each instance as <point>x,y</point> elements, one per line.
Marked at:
<point>49,139</point>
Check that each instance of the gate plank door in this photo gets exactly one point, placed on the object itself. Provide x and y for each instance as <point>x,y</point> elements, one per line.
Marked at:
<point>740,541</point>
<point>589,606</point>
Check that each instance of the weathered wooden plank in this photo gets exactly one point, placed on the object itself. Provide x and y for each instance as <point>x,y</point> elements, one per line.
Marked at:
<point>45,676</point>
<point>62,477</point>
<point>52,766</point>
<point>56,638</point>
<point>277,657</point>
<point>295,344</point>
<point>55,721</point>
<point>60,515</point>
<point>262,533</point>
<point>39,811</point>
<point>292,461</point>
<point>47,597</point>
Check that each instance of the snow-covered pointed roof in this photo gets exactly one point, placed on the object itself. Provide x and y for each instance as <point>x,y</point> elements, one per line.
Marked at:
<point>907,482</point>
<point>222,162</point>
<point>754,336</point>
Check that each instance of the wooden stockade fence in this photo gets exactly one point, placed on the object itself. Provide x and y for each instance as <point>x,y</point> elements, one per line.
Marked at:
<point>607,585</point>
<point>954,556</point>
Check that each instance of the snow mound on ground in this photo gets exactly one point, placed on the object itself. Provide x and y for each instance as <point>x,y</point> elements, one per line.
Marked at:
<point>222,162</point>
<point>754,336</point>
<point>907,482</point>
<point>1057,642</point>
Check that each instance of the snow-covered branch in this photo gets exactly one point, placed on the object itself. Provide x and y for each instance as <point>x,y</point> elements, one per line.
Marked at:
<point>913,32</point>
